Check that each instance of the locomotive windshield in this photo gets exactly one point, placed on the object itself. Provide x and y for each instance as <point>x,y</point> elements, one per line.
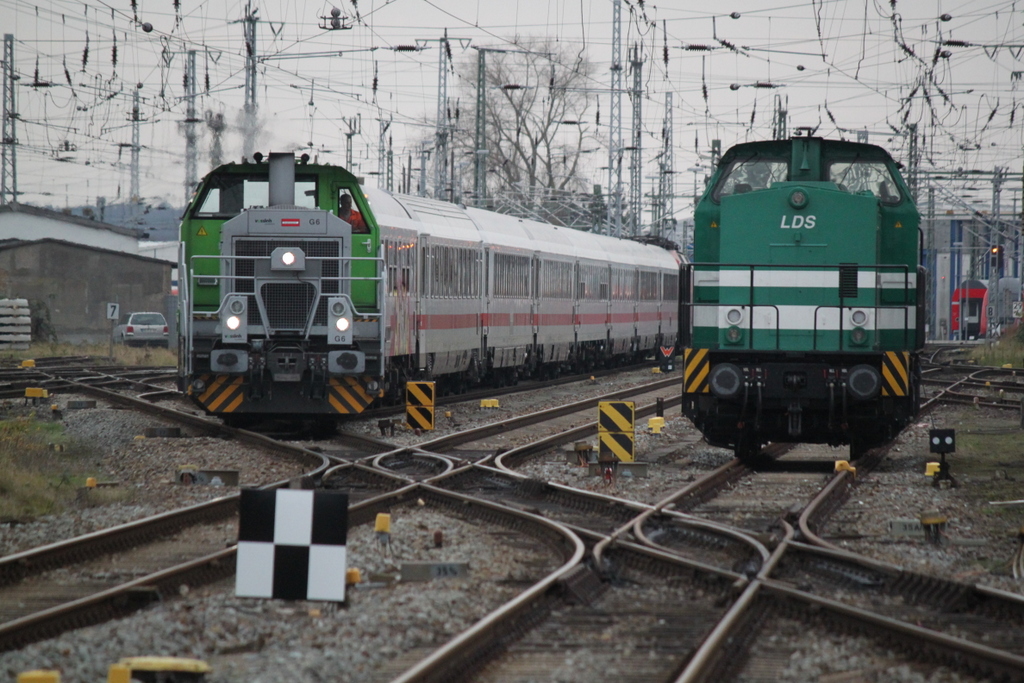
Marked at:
<point>227,195</point>
<point>752,173</point>
<point>862,175</point>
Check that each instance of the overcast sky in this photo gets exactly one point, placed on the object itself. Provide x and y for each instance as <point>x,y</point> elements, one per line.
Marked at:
<point>836,65</point>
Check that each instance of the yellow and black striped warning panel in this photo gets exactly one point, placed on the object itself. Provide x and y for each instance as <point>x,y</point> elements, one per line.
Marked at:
<point>420,417</point>
<point>223,393</point>
<point>419,393</point>
<point>348,395</point>
<point>895,373</point>
<point>616,444</point>
<point>696,366</point>
<point>616,416</point>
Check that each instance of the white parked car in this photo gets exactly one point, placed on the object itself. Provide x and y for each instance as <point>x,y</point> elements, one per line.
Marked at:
<point>141,329</point>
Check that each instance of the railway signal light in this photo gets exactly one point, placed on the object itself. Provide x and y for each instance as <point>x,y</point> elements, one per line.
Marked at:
<point>996,253</point>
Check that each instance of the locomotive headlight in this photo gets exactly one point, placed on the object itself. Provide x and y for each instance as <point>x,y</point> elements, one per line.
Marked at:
<point>233,319</point>
<point>339,330</point>
<point>288,258</point>
<point>798,199</point>
<point>859,317</point>
<point>734,335</point>
<point>734,316</point>
<point>858,336</point>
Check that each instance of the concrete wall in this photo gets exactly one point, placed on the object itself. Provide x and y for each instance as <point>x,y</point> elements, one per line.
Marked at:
<point>74,284</point>
<point>27,224</point>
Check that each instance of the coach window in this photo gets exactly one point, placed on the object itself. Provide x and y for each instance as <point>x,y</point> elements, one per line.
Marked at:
<point>862,175</point>
<point>670,287</point>
<point>749,174</point>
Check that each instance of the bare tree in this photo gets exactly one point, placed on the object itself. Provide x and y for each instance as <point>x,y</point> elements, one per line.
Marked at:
<point>536,103</point>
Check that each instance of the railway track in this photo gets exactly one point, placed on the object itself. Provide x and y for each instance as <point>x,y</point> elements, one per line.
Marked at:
<point>680,590</point>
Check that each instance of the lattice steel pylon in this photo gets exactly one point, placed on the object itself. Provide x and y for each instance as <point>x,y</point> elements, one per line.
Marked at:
<point>385,157</point>
<point>249,134</point>
<point>191,119</point>
<point>9,170</point>
<point>664,205</point>
<point>480,133</point>
<point>636,206</point>
<point>615,127</point>
<point>135,118</point>
<point>443,129</point>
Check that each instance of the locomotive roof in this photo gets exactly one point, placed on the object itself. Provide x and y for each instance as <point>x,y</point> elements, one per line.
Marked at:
<point>782,148</point>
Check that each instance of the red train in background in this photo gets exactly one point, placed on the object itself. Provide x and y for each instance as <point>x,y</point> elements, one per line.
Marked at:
<point>972,297</point>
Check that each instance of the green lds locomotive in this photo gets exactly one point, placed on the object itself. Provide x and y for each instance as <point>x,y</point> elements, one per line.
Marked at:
<point>803,309</point>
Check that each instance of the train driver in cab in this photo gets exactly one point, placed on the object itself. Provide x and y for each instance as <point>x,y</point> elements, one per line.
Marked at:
<point>350,215</point>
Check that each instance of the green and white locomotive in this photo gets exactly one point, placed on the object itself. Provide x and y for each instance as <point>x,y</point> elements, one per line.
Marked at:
<point>803,309</point>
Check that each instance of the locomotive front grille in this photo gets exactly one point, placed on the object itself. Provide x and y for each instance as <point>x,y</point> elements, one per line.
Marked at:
<point>288,304</point>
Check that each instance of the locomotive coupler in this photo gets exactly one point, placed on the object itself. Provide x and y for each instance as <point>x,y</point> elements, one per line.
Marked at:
<point>796,422</point>
<point>255,378</point>
<point>317,377</point>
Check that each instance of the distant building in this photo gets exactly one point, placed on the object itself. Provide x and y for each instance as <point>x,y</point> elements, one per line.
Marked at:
<point>24,222</point>
<point>69,268</point>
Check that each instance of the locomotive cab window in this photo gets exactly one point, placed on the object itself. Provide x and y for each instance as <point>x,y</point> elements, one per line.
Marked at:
<point>752,173</point>
<point>227,195</point>
<point>350,211</point>
<point>862,175</point>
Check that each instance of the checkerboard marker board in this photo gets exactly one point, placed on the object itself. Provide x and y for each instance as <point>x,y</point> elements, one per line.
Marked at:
<point>291,545</point>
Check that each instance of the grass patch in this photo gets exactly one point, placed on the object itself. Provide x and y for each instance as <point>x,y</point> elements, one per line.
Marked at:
<point>989,454</point>
<point>123,355</point>
<point>38,478</point>
<point>1007,350</point>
